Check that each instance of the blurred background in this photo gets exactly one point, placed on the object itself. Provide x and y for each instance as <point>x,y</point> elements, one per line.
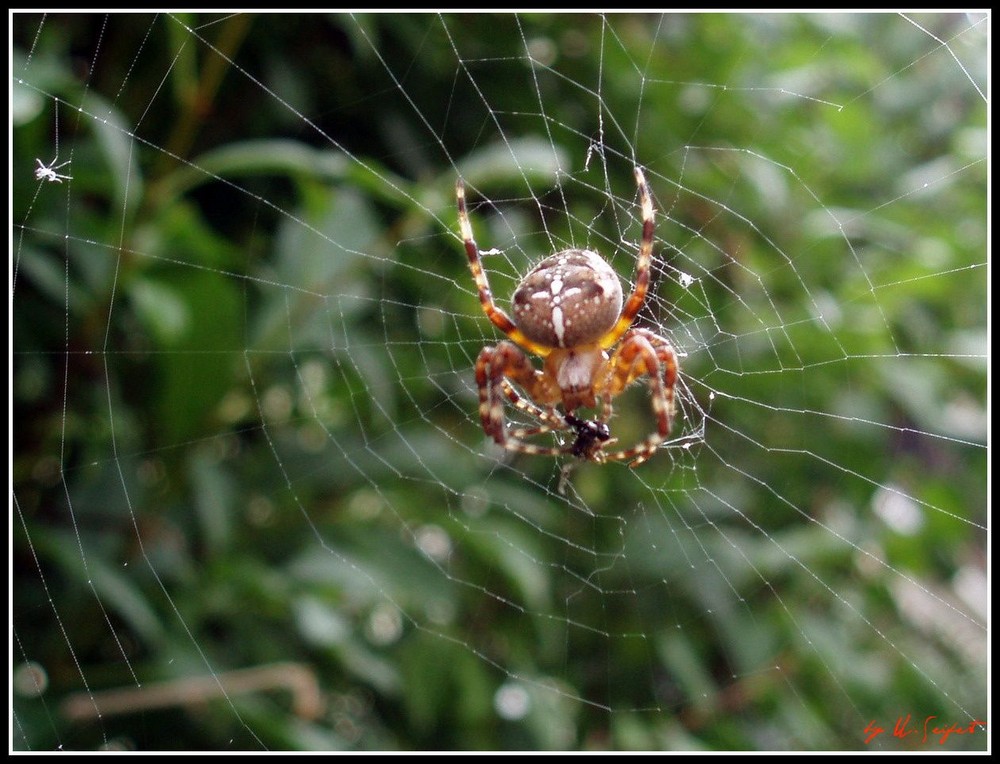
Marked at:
<point>252,504</point>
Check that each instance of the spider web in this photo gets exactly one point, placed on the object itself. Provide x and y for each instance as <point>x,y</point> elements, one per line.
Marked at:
<point>248,475</point>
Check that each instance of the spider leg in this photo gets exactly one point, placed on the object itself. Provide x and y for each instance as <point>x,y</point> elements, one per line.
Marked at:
<point>495,366</point>
<point>552,420</point>
<point>592,435</point>
<point>494,312</point>
<point>642,266</point>
<point>644,353</point>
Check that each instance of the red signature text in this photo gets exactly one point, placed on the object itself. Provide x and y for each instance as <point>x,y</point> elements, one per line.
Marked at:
<point>932,728</point>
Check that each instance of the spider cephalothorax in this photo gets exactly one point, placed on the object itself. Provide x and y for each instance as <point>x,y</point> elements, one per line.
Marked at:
<point>568,310</point>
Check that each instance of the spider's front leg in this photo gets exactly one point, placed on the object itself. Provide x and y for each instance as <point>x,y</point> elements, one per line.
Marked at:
<point>550,420</point>
<point>493,366</point>
<point>644,353</point>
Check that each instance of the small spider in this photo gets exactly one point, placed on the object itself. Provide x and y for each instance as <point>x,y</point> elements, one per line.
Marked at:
<point>568,310</point>
<point>48,171</point>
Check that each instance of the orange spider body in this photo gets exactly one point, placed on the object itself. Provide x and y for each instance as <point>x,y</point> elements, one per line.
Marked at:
<point>568,310</point>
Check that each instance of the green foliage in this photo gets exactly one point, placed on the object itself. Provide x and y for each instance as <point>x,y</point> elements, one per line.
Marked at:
<point>244,428</point>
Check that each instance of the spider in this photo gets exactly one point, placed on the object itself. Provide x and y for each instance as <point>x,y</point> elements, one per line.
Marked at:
<point>568,310</point>
<point>48,171</point>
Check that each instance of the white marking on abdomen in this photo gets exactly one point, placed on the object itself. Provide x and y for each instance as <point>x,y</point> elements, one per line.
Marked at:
<point>557,325</point>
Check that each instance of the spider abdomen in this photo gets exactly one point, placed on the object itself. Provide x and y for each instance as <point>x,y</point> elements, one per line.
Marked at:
<point>570,298</point>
